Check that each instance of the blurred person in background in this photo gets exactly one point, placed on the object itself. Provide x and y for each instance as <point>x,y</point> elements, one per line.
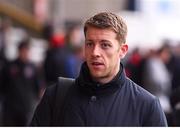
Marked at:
<point>10,36</point>
<point>73,37</point>
<point>54,63</point>
<point>174,67</point>
<point>102,95</point>
<point>157,78</point>
<point>75,48</point>
<point>133,66</point>
<point>64,56</point>
<point>20,87</point>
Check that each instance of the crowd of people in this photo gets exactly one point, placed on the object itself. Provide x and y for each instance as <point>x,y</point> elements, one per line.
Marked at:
<point>22,84</point>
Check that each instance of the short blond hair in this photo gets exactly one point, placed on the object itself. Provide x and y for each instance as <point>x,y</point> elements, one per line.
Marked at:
<point>110,20</point>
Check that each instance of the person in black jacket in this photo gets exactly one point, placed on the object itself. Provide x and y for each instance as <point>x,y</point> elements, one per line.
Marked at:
<point>20,88</point>
<point>102,95</point>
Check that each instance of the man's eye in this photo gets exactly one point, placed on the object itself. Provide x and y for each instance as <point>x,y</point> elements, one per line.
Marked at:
<point>89,44</point>
<point>105,45</point>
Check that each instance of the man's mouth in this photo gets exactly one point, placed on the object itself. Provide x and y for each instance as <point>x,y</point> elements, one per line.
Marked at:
<point>97,64</point>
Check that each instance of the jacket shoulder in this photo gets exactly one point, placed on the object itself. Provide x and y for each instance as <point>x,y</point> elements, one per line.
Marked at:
<point>147,104</point>
<point>138,92</point>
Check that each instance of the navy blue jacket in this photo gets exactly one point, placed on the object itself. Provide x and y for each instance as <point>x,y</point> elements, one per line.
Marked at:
<point>120,102</point>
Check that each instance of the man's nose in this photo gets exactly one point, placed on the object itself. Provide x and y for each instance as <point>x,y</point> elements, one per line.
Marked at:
<point>96,51</point>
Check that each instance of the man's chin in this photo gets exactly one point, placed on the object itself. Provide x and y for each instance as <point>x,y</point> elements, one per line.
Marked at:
<point>97,75</point>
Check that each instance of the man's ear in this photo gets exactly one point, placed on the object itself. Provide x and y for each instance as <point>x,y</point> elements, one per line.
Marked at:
<point>123,50</point>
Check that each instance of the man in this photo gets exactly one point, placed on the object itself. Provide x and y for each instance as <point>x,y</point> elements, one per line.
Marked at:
<point>102,94</point>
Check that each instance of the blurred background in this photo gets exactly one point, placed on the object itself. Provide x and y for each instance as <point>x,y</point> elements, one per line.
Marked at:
<point>43,39</point>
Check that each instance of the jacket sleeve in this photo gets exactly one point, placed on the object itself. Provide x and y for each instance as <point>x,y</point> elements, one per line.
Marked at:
<point>43,112</point>
<point>156,116</point>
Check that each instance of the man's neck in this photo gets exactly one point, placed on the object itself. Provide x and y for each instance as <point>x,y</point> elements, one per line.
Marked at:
<point>108,78</point>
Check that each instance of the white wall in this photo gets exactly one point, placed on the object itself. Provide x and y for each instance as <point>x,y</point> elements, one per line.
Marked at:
<point>154,22</point>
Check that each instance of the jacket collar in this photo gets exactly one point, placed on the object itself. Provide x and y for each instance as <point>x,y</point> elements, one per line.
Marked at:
<point>88,86</point>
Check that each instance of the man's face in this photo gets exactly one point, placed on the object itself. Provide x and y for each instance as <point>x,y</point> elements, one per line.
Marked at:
<point>103,53</point>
